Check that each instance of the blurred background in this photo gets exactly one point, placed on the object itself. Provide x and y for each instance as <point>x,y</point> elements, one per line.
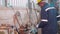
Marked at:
<point>15,15</point>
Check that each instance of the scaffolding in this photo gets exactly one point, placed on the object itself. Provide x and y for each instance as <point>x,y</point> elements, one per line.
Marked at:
<point>14,18</point>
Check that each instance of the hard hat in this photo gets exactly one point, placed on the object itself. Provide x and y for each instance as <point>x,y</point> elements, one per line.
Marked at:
<point>39,1</point>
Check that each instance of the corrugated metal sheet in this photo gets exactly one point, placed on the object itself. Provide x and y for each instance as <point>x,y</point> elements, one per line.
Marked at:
<point>17,3</point>
<point>2,2</point>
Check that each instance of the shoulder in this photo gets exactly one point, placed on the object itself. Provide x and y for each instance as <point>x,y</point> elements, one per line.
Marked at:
<point>46,5</point>
<point>49,8</point>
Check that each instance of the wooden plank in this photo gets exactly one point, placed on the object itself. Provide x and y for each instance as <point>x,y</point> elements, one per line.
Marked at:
<point>39,30</point>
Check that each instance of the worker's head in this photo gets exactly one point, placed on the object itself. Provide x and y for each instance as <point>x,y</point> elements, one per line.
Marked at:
<point>40,3</point>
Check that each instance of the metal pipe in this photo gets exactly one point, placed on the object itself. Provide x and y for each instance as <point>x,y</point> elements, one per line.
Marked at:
<point>5,3</point>
<point>35,10</point>
<point>30,10</point>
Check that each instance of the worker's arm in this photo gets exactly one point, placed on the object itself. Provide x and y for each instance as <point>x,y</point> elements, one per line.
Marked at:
<point>58,17</point>
<point>44,19</point>
<point>43,23</point>
<point>44,16</point>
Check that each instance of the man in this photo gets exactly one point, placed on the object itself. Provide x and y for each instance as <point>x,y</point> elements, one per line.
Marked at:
<point>48,18</point>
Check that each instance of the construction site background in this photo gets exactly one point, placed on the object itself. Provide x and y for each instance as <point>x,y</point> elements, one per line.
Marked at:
<point>19,12</point>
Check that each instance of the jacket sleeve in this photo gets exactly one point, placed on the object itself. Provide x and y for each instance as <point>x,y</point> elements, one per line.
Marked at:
<point>44,19</point>
<point>58,16</point>
<point>42,24</point>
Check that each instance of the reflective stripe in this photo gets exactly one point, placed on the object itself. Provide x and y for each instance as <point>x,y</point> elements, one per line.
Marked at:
<point>37,25</point>
<point>45,20</point>
<point>49,8</point>
<point>58,16</point>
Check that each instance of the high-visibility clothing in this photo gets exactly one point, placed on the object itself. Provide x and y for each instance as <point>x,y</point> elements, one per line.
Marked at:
<point>48,20</point>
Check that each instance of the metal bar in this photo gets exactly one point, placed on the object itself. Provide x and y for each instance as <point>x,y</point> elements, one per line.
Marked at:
<point>17,19</point>
<point>28,15</point>
<point>35,11</point>
<point>30,10</point>
<point>5,3</point>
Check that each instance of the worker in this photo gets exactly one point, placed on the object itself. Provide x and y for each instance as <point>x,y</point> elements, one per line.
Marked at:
<point>48,18</point>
